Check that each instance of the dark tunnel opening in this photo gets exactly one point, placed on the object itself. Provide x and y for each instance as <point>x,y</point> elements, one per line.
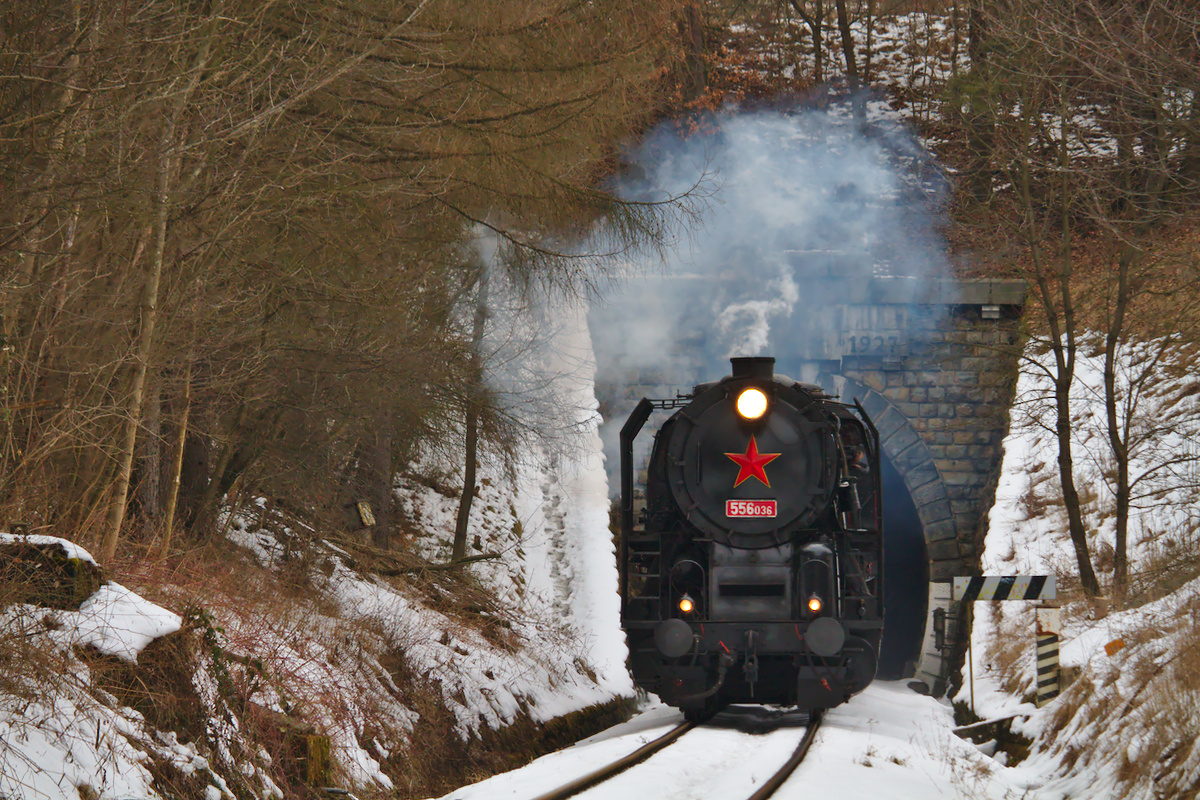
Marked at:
<point>906,579</point>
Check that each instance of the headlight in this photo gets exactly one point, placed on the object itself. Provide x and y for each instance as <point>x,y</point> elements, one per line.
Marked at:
<point>686,604</point>
<point>814,604</point>
<point>752,403</point>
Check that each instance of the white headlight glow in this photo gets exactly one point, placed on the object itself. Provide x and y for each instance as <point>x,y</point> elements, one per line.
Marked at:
<point>752,403</point>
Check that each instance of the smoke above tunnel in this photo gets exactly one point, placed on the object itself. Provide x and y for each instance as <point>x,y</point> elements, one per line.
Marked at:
<point>801,209</point>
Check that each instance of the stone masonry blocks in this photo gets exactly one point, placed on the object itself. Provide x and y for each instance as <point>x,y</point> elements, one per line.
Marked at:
<point>929,493</point>
<point>946,570</point>
<point>934,511</point>
<point>899,440</point>
<point>942,417</point>
<point>874,404</point>
<point>914,458</point>
<point>944,549</point>
<point>890,422</point>
<point>943,529</point>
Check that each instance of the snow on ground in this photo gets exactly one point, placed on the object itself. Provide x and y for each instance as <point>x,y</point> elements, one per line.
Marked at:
<point>559,575</point>
<point>118,622</point>
<point>557,646</point>
<point>56,739</point>
<point>890,742</point>
<point>70,549</point>
<point>114,620</point>
<point>1134,701</point>
<point>63,747</point>
<point>551,524</point>
<point>555,586</point>
<point>1028,517</point>
<point>886,742</point>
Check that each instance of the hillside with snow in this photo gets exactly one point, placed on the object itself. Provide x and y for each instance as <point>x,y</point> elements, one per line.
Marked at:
<point>1125,725</point>
<point>217,689</point>
<point>283,656</point>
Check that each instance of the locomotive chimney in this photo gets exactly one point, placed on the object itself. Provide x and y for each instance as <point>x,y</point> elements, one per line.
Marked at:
<point>762,367</point>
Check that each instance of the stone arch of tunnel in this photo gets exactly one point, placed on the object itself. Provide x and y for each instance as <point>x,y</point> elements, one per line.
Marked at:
<point>921,539</point>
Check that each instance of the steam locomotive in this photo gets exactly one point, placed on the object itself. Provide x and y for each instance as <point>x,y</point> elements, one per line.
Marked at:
<point>753,573</point>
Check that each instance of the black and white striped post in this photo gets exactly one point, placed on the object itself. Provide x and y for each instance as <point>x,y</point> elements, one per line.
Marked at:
<point>1005,587</point>
<point>1049,625</point>
<point>1019,587</point>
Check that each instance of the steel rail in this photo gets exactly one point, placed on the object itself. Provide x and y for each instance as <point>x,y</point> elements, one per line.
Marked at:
<point>783,773</point>
<point>620,765</point>
<point>644,752</point>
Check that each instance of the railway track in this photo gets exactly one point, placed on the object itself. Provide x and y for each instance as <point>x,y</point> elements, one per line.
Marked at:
<point>768,788</point>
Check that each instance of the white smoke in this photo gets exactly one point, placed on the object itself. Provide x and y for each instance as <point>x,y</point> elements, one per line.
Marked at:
<point>805,206</point>
<point>803,201</point>
<point>746,325</point>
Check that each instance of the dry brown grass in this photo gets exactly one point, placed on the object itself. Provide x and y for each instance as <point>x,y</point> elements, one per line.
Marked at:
<point>29,668</point>
<point>1163,729</point>
<point>266,659</point>
<point>243,628</point>
<point>1009,655</point>
<point>1167,564</point>
<point>1134,713</point>
<point>254,606</point>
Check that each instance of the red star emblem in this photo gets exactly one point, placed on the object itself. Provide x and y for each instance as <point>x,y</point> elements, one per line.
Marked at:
<point>751,465</point>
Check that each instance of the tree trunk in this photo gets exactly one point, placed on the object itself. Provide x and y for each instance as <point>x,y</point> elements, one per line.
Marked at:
<point>843,19</point>
<point>1118,428</point>
<point>815,23</point>
<point>218,482</point>
<point>857,100</point>
<point>1190,164</point>
<point>976,32</point>
<point>870,43</point>
<point>691,28</point>
<point>149,490</point>
<point>1055,294</point>
<point>980,125</point>
<point>1066,476</point>
<point>137,381</point>
<point>177,463</point>
<point>384,522</point>
<point>956,42</point>
<point>474,407</point>
<point>167,169</point>
<point>12,304</point>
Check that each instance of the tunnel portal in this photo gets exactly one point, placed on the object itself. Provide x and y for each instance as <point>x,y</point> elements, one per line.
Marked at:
<point>934,365</point>
<point>906,579</point>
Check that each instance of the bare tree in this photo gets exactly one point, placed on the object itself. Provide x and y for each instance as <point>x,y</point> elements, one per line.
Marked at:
<point>814,18</point>
<point>276,240</point>
<point>474,401</point>
<point>1087,108</point>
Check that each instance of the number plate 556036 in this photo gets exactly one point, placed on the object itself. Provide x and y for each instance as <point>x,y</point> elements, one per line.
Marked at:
<point>749,508</point>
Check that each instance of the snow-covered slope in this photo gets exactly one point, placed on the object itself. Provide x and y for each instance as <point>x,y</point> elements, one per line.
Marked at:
<point>376,665</point>
<point>1126,727</point>
<point>58,739</point>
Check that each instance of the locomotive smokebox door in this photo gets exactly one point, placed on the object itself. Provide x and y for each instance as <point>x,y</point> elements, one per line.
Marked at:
<point>742,480</point>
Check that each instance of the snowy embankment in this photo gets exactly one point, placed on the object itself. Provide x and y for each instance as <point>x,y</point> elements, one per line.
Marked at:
<point>1126,727</point>
<point>378,666</point>
<point>66,741</point>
